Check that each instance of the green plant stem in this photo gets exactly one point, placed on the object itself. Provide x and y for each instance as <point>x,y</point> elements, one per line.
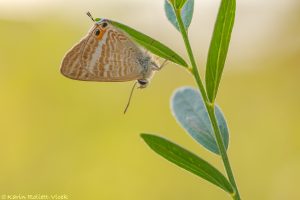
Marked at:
<point>209,106</point>
<point>211,112</point>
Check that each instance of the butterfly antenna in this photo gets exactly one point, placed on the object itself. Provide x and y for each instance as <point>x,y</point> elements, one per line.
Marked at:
<point>90,16</point>
<point>129,100</point>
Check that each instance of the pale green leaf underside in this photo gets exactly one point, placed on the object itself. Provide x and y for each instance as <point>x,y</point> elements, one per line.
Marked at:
<point>186,13</point>
<point>189,110</point>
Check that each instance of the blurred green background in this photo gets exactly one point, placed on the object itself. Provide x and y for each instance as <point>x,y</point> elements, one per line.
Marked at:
<point>59,136</point>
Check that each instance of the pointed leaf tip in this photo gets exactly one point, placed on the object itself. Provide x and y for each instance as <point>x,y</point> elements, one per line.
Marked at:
<point>219,47</point>
<point>187,160</point>
<point>151,44</point>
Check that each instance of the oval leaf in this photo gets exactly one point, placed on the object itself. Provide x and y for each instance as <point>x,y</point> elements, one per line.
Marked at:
<point>187,160</point>
<point>219,47</point>
<point>189,110</point>
<point>151,44</point>
<point>186,13</point>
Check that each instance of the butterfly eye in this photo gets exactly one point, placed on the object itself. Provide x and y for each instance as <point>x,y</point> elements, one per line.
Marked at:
<point>104,25</point>
<point>143,82</point>
<point>97,32</point>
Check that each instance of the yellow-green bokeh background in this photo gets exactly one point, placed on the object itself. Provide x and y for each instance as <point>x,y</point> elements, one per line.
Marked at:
<point>59,136</point>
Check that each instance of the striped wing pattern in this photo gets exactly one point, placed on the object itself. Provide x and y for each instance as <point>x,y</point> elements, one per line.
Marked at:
<point>112,58</point>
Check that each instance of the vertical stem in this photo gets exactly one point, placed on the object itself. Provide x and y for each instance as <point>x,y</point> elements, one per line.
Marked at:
<point>209,106</point>
<point>222,149</point>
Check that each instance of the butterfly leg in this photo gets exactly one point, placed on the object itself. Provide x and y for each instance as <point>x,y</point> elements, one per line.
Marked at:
<point>156,67</point>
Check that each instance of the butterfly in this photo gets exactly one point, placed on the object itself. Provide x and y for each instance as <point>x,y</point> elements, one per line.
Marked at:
<point>108,54</point>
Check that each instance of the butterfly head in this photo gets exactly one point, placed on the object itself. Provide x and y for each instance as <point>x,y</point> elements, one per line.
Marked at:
<point>100,27</point>
<point>143,83</point>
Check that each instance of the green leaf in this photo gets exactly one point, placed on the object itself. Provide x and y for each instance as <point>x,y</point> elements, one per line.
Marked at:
<point>151,44</point>
<point>219,47</point>
<point>186,13</point>
<point>187,160</point>
<point>189,110</point>
<point>179,3</point>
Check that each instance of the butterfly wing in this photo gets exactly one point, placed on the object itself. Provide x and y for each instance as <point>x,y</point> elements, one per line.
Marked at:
<point>111,58</point>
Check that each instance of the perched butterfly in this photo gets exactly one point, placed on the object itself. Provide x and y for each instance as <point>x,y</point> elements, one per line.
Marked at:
<point>107,54</point>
